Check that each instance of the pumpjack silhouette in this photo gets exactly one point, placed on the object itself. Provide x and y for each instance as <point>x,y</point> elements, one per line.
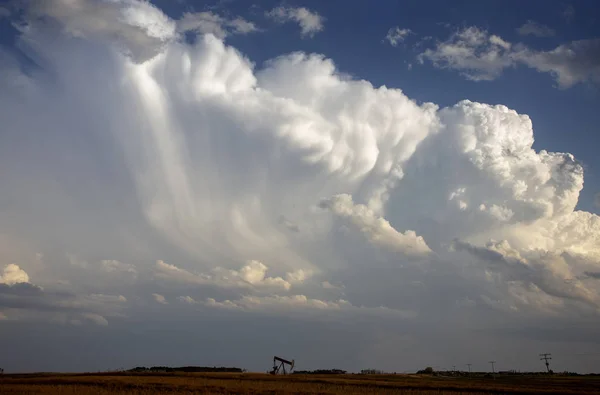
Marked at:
<point>279,366</point>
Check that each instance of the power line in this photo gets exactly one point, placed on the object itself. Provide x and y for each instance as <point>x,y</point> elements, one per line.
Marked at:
<point>546,357</point>
<point>469,365</point>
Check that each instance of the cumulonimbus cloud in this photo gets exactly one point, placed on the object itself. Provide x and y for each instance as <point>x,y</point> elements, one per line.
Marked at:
<point>264,180</point>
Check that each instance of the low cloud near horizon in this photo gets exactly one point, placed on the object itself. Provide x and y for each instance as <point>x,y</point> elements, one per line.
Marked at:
<point>185,206</point>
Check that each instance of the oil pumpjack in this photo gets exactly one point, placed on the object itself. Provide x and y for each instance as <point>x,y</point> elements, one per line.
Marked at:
<point>279,366</point>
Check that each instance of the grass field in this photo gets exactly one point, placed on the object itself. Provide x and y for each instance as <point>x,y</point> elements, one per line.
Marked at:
<point>251,383</point>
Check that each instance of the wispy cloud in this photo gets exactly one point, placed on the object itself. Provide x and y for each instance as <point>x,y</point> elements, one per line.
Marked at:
<point>209,22</point>
<point>478,55</point>
<point>569,13</point>
<point>310,22</point>
<point>395,35</point>
<point>160,299</point>
<point>481,56</point>
<point>534,28</point>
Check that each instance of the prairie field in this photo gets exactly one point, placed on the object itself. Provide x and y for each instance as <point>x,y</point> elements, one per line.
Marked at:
<point>252,383</point>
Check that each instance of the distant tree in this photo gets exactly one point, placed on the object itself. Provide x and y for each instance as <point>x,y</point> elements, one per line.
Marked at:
<point>371,371</point>
<point>321,371</point>
<point>427,370</point>
<point>188,369</point>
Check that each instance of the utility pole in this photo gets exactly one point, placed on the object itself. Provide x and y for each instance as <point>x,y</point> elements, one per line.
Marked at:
<point>493,371</point>
<point>469,365</point>
<point>546,357</point>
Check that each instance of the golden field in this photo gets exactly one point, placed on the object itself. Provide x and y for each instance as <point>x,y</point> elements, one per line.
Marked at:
<point>252,383</point>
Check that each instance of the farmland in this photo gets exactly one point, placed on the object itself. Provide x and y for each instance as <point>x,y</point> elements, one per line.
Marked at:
<point>252,383</point>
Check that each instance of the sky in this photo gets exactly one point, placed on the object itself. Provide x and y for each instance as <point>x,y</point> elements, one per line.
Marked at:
<point>385,186</point>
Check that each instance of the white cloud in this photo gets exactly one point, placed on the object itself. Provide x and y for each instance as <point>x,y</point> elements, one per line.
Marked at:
<point>348,142</point>
<point>242,26</point>
<point>160,299</point>
<point>187,299</point>
<point>254,273</point>
<point>114,266</point>
<point>480,56</point>
<point>211,23</point>
<point>544,275</point>
<point>295,304</point>
<point>570,64</point>
<point>497,143</point>
<point>377,229</point>
<point>251,275</point>
<point>172,269</point>
<point>535,29</point>
<point>102,298</point>
<point>270,302</point>
<point>328,285</point>
<point>298,276</point>
<point>396,35</point>
<point>95,318</point>
<point>13,274</point>
<point>310,22</point>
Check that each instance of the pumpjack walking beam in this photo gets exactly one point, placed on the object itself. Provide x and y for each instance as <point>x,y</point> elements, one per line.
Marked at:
<point>279,365</point>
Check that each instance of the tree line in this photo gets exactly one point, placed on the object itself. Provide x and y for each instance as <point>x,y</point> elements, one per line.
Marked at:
<point>187,369</point>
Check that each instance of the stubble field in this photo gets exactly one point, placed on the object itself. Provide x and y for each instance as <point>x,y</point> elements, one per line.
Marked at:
<point>250,383</point>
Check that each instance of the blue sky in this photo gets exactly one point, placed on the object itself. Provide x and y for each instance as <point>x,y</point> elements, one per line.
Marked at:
<point>177,173</point>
